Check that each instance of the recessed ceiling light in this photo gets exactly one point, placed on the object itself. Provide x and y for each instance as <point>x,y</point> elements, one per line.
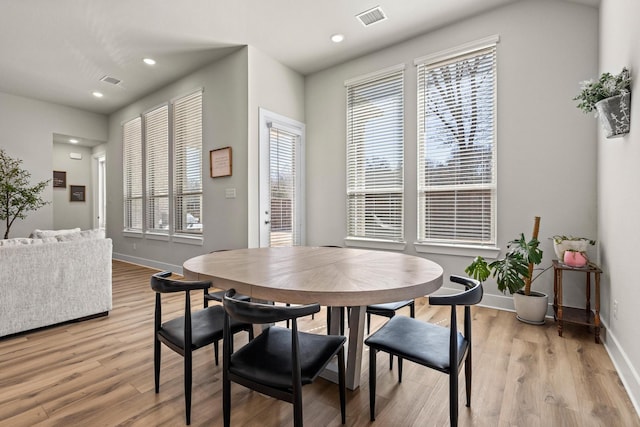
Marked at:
<point>98,94</point>
<point>73,141</point>
<point>337,38</point>
<point>149,61</point>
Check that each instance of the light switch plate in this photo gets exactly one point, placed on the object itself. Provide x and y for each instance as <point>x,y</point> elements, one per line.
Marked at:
<point>230,193</point>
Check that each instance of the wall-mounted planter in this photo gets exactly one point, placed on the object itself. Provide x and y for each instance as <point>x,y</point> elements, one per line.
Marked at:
<point>614,114</point>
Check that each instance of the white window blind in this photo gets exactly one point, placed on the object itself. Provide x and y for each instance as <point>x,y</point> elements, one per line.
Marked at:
<point>187,182</point>
<point>156,132</point>
<point>457,149</point>
<point>132,179</point>
<point>375,153</point>
<point>282,177</point>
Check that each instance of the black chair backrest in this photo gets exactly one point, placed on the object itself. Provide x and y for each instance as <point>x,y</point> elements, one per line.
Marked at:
<point>162,284</point>
<point>472,294</point>
<point>258,313</point>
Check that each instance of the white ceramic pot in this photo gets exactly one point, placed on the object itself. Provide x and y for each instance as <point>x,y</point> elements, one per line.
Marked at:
<point>531,308</point>
<point>579,245</point>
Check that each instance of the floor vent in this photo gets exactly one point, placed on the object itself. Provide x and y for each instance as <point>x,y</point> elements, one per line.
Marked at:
<point>371,16</point>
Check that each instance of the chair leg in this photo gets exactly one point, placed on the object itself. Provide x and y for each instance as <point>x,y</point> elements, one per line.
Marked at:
<point>216,351</point>
<point>187,385</point>
<point>412,309</point>
<point>156,363</point>
<point>368,323</point>
<point>226,400</point>
<point>399,369</point>
<point>453,396</point>
<point>372,383</point>
<point>390,362</point>
<point>341,384</point>
<point>297,408</point>
<point>467,377</point>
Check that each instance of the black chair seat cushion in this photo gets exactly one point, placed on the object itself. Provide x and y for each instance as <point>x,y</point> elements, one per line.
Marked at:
<point>386,308</point>
<point>267,358</point>
<point>206,327</point>
<point>417,341</point>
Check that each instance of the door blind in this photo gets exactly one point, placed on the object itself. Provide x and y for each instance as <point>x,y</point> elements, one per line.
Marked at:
<point>282,177</point>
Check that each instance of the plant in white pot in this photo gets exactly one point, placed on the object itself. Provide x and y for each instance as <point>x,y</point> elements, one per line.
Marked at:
<point>561,244</point>
<point>514,273</point>
<point>610,96</point>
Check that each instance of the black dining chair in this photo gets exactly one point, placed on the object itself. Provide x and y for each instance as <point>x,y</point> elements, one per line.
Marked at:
<point>279,361</point>
<point>436,347</point>
<point>188,332</point>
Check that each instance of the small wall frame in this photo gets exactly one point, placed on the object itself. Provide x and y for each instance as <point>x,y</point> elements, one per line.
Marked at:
<point>220,162</point>
<point>59,179</point>
<point>77,193</point>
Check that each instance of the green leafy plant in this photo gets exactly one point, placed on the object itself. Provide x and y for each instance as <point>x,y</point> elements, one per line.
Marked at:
<point>512,272</point>
<point>17,197</point>
<point>607,86</point>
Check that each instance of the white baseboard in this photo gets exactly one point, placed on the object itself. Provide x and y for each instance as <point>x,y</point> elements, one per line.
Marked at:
<point>626,371</point>
<point>148,263</point>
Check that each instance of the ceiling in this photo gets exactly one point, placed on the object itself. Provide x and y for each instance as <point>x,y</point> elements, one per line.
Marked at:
<point>57,51</point>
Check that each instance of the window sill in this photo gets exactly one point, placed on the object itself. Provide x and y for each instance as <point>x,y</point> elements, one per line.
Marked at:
<point>188,240</point>
<point>130,233</point>
<point>157,236</point>
<point>374,244</point>
<point>489,252</point>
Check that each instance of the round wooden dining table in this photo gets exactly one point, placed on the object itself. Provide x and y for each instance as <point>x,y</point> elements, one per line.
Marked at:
<point>329,276</point>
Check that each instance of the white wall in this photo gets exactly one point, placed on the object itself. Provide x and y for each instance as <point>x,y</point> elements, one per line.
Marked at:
<point>224,124</point>
<point>27,133</point>
<point>546,146</point>
<point>234,89</point>
<point>619,198</point>
<point>280,90</point>
<point>68,214</point>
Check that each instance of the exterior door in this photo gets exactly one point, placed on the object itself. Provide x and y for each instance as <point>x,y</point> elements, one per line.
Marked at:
<point>281,181</point>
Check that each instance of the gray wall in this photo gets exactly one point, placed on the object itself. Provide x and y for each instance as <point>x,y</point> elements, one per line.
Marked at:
<point>619,200</point>
<point>27,133</point>
<point>68,214</point>
<point>234,89</point>
<point>546,147</point>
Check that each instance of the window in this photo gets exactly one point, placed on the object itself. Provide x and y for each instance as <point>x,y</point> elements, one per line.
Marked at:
<point>169,139</point>
<point>375,152</point>
<point>132,149</point>
<point>187,181</point>
<point>156,138</point>
<point>457,147</point>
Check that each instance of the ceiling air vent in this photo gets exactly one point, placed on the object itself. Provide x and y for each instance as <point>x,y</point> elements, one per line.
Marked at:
<point>371,16</point>
<point>109,79</point>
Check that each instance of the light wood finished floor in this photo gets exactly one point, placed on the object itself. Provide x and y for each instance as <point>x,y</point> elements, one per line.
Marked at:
<point>100,373</point>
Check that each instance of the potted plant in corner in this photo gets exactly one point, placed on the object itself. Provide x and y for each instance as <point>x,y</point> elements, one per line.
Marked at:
<point>17,197</point>
<point>514,273</point>
<point>610,96</point>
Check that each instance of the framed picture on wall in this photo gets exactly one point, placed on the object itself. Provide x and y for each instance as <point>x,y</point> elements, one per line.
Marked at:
<point>220,162</point>
<point>77,193</point>
<point>59,179</point>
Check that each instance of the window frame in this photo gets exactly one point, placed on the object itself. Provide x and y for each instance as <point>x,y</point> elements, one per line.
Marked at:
<point>394,79</point>
<point>147,231</point>
<point>452,246</point>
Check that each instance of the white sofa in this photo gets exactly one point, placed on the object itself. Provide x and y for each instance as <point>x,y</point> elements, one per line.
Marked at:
<point>52,279</point>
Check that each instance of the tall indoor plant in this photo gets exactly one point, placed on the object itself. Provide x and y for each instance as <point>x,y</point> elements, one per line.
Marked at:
<point>610,96</point>
<point>514,273</point>
<point>17,197</point>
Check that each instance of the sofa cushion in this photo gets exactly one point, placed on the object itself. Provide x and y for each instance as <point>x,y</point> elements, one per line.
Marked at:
<point>85,234</point>
<point>40,234</point>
